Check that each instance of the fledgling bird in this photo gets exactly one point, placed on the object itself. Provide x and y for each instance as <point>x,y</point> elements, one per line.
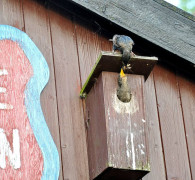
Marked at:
<point>123,91</point>
<point>124,44</point>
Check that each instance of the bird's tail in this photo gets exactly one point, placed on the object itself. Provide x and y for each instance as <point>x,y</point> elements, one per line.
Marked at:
<point>126,56</point>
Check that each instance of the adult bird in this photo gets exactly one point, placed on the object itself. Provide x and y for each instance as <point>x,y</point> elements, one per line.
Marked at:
<point>124,44</point>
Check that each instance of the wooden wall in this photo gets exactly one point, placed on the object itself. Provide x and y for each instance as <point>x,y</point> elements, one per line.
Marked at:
<point>71,49</point>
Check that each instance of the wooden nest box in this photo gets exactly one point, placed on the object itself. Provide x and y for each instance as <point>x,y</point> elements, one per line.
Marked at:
<point>116,131</point>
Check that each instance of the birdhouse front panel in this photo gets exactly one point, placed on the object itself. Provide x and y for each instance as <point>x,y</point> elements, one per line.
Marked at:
<point>117,131</point>
<point>126,124</point>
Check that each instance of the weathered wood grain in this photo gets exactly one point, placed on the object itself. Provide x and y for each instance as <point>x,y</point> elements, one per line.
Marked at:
<point>126,121</point>
<point>187,92</point>
<point>38,28</point>
<point>73,139</point>
<point>171,123</point>
<point>120,130</point>
<point>154,136</point>
<point>11,13</point>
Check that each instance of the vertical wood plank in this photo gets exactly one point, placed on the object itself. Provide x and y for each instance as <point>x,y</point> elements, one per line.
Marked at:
<point>171,121</point>
<point>38,28</point>
<point>106,45</point>
<point>89,47</point>
<point>187,91</point>
<point>152,121</point>
<point>11,13</point>
<point>72,128</point>
<point>96,130</point>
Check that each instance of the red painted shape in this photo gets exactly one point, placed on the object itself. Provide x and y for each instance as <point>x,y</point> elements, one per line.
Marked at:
<point>13,59</point>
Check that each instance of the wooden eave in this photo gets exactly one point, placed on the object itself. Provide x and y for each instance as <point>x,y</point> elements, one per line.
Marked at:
<point>157,26</point>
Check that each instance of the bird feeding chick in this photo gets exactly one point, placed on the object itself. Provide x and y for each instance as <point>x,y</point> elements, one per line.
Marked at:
<point>123,91</point>
<point>124,44</point>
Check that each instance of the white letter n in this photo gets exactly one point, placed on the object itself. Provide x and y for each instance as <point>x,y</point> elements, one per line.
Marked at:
<point>5,150</point>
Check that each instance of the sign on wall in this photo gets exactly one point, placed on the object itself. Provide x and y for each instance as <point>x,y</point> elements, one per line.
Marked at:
<point>27,150</point>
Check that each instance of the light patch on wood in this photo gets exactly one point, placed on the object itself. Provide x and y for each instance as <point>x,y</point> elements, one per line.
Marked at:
<point>141,149</point>
<point>4,106</point>
<point>5,150</point>
<point>2,90</point>
<point>127,146</point>
<point>133,151</point>
<point>3,72</point>
<point>142,152</point>
<point>120,107</point>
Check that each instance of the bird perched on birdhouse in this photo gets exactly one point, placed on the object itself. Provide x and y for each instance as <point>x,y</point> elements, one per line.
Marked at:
<point>124,44</point>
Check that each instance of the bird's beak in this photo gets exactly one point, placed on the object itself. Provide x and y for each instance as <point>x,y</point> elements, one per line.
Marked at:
<point>110,39</point>
<point>122,74</point>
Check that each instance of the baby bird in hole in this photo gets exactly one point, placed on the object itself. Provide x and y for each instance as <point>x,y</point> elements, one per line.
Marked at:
<point>123,91</point>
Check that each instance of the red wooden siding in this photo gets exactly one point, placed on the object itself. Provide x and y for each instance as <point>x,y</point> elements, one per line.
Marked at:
<point>71,49</point>
<point>154,135</point>
<point>70,111</point>
<point>187,94</point>
<point>172,127</point>
<point>39,32</point>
